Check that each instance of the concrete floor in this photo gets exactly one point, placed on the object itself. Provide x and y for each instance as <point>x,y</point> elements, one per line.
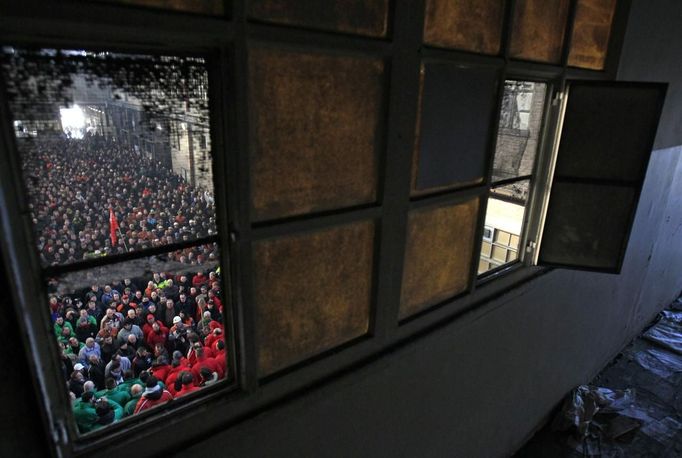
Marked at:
<point>649,426</point>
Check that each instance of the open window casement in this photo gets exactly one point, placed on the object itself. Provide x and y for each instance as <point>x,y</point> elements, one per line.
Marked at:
<point>607,135</point>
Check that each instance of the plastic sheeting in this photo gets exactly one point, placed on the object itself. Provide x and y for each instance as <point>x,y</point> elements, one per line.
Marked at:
<point>672,316</point>
<point>586,401</point>
<point>667,332</point>
<point>660,362</point>
<point>662,430</point>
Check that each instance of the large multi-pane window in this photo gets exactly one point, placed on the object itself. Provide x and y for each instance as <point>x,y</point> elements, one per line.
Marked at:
<point>364,161</point>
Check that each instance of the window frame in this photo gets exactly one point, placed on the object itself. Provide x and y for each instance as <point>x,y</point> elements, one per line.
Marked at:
<point>539,176</point>
<point>23,257</point>
<point>635,185</point>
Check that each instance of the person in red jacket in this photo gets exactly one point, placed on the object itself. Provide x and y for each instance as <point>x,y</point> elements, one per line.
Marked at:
<point>153,395</point>
<point>199,279</point>
<point>203,361</point>
<point>221,359</point>
<point>160,368</point>
<point>147,327</point>
<point>157,335</point>
<point>178,364</point>
<point>215,335</point>
<point>188,385</point>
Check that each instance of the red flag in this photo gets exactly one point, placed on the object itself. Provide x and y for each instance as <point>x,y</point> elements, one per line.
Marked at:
<point>113,227</point>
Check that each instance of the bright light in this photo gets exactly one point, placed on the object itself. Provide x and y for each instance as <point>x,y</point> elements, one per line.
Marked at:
<point>73,121</point>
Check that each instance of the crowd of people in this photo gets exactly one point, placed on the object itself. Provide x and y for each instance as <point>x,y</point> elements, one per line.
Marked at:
<point>79,188</point>
<point>134,344</point>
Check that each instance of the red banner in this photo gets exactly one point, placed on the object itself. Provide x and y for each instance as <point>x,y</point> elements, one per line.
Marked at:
<point>113,227</point>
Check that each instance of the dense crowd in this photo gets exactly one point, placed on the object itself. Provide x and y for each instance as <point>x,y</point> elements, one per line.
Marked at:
<point>76,186</point>
<point>134,344</point>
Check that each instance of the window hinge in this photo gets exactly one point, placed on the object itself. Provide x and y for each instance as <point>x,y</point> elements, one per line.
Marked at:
<point>530,246</point>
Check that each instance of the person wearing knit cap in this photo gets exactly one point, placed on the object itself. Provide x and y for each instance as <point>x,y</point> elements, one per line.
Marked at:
<point>153,395</point>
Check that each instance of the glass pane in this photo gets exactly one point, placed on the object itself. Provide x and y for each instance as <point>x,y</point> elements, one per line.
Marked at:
<point>608,130</point>
<point>502,237</point>
<point>115,150</point>
<point>212,7</point>
<point>457,102</point>
<point>363,17</point>
<point>122,326</point>
<point>519,130</point>
<point>486,249</point>
<point>499,253</point>
<point>313,293</point>
<point>538,30</point>
<point>438,256</point>
<point>505,212</point>
<point>591,32</point>
<point>587,225</point>
<point>470,25</point>
<point>316,125</point>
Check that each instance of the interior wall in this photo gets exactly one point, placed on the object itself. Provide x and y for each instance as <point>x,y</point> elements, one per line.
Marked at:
<point>480,386</point>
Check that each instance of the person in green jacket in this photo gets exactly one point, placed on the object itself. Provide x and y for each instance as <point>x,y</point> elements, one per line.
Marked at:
<point>59,325</point>
<point>91,413</point>
<point>84,412</point>
<point>73,347</point>
<point>108,412</point>
<point>119,394</point>
<point>136,391</point>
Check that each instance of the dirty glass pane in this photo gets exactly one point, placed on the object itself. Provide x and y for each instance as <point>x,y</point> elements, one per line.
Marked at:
<point>212,7</point>
<point>591,32</point>
<point>519,130</point>
<point>470,25</point>
<point>608,131</point>
<point>316,123</point>
<point>115,150</point>
<point>456,113</point>
<point>362,17</point>
<point>606,142</point>
<point>313,293</point>
<point>504,216</point>
<point>538,30</point>
<point>119,325</point>
<point>438,256</point>
<point>588,225</point>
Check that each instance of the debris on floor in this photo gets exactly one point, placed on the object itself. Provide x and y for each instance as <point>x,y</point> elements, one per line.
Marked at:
<point>633,408</point>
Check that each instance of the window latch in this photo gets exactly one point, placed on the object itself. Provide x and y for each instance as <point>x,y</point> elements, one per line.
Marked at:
<point>530,246</point>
